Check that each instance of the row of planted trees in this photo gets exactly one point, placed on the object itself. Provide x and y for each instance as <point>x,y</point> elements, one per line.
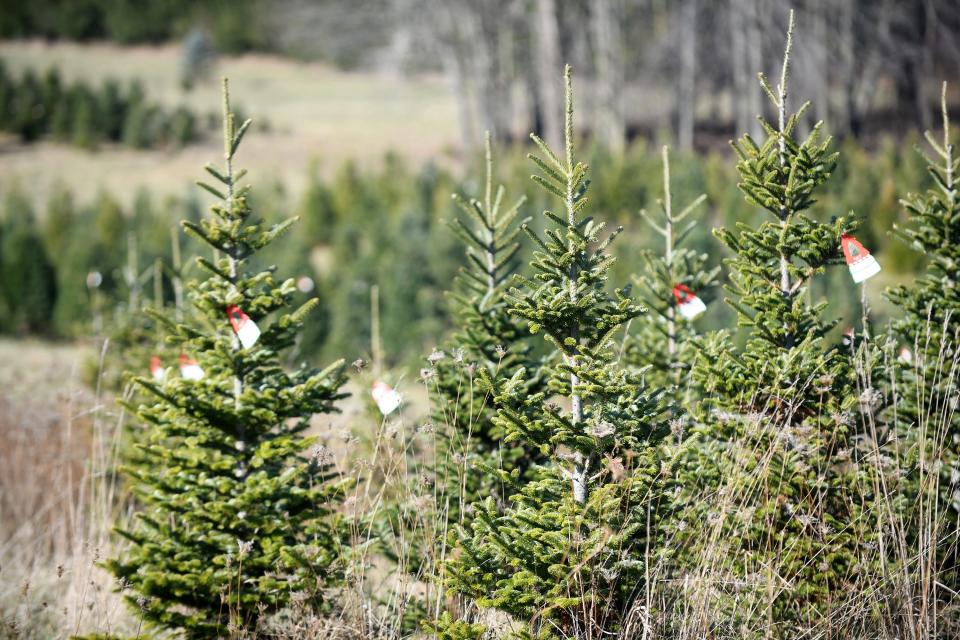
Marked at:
<point>592,467</point>
<point>348,242</point>
<point>45,107</point>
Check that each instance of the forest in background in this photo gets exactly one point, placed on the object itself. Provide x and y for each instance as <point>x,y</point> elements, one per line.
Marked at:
<point>687,67</point>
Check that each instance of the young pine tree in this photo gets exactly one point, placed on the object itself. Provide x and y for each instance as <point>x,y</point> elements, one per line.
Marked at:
<point>930,326</point>
<point>468,442</point>
<point>665,341</point>
<point>488,337</point>
<point>236,518</point>
<point>29,285</point>
<point>565,555</point>
<point>774,520</point>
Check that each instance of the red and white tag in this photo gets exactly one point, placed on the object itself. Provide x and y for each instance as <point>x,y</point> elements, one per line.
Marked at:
<point>387,398</point>
<point>848,336</point>
<point>156,369</point>
<point>862,265</point>
<point>189,368</point>
<point>905,356</point>
<point>688,303</point>
<point>246,329</point>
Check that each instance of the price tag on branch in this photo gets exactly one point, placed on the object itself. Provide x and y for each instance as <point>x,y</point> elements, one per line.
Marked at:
<point>156,369</point>
<point>689,305</point>
<point>190,369</point>
<point>246,329</point>
<point>387,398</point>
<point>862,265</point>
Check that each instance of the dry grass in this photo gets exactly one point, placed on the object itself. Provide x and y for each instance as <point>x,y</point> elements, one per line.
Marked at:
<point>60,498</point>
<point>58,501</point>
<point>313,111</point>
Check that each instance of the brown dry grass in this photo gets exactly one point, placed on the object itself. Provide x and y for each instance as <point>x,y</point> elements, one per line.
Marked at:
<point>57,499</point>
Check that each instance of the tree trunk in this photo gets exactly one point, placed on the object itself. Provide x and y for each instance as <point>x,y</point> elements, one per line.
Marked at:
<point>754,60</point>
<point>455,65</point>
<point>489,33</point>
<point>686,87</point>
<point>844,118</point>
<point>608,59</point>
<point>549,71</point>
<point>819,58</point>
<point>740,65</point>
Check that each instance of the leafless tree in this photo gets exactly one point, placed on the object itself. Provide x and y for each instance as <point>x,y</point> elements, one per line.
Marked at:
<point>548,72</point>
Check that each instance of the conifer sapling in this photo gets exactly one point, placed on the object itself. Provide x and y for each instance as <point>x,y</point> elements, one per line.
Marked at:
<point>565,555</point>
<point>236,517</point>
<point>772,454</point>
<point>674,285</point>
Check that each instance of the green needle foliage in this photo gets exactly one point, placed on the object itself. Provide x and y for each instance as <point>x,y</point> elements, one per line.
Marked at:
<point>666,342</point>
<point>469,443</point>
<point>29,288</point>
<point>931,323</point>
<point>771,464</point>
<point>565,555</point>
<point>488,337</point>
<point>237,519</point>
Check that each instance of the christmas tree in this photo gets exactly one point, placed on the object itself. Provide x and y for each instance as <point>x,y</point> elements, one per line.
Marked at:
<point>237,518</point>
<point>773,494</point>
<point>565,555</point>
<point>675,285</point>
<point>29,287</point>
<point>488,337</point>
<point>468,445</point>
<point>926,409</point>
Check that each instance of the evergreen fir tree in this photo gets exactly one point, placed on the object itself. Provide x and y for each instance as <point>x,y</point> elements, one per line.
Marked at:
<point>84,125</point>
<point>29,281</point>
<point>25,118</point>
<point>565,556</point>
<point>666,340</point>
<point>488,337</point>
<point>468,443</point>
<point>773,498</point>
<point>111,108</point>
<point>930,331</point>
<point>7,93</point>
<point>237,518</point>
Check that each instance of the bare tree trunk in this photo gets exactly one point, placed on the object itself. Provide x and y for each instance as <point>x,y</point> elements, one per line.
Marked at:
<point>548,72</point>
<point>456,67</point>
<point>924,69</point>
<point>754,59</point>
<point>608,55</point>
<point>844,116</point>
<point>740,65</point>
<point>863,77</point>
<point>819,58</point>
<point>488,31</point>
<point>686,87</point>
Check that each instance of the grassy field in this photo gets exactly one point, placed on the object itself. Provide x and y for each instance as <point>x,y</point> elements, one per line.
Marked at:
<point>59,449</point>
<point>312,111</point>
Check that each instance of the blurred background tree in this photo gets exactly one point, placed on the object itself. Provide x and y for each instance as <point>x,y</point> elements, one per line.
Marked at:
<point>867,64</point>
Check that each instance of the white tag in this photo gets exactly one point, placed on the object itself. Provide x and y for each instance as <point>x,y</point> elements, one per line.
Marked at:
<point>689,305</point>
<point>190,369</point>
<point>862,265</point>
<point>156,369</point>
<point>386,398</point>
<point>246,329</point>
